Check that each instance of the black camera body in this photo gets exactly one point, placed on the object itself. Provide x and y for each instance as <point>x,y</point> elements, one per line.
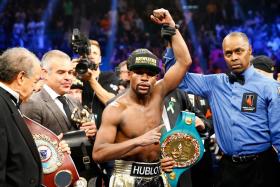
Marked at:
<point>81,45</point>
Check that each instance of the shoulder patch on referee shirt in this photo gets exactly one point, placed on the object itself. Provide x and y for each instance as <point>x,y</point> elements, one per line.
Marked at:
<point>249,102</point>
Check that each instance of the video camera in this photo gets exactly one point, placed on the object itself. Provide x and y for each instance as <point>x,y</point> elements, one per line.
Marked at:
<point>81,45</point>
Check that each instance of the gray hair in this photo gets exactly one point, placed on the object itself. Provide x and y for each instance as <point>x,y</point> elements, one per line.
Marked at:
<point>15,60</point>
<point>51,56</point>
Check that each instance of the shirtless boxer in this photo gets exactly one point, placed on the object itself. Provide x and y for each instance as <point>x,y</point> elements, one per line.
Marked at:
<point>130,127</point>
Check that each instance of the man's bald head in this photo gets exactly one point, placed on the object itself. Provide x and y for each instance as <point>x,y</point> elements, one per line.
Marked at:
<point>236,34</point>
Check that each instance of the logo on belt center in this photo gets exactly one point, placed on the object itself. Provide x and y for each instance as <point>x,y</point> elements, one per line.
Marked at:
<point>183,148</point>
<point>50,155</point>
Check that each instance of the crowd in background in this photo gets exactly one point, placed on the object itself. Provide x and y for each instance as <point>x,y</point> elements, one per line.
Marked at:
<point>44,25</point>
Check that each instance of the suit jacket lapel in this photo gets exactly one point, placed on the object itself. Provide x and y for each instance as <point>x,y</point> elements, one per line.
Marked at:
<point>22,127</point>
<point>58,114</point>
<point>27,136</point>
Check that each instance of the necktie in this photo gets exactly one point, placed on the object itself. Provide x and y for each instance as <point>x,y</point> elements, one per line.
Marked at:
<point>235,78</point>
<point>66,108</point>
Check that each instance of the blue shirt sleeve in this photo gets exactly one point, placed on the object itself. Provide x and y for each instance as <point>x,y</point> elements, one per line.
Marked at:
<point>273,115</point>
<point>197,84</point>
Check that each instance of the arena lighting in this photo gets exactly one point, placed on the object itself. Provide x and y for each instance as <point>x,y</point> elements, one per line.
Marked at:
<point>191,28</point>
<point>111,35</point>
<point>3,5</point>
<point>45,19</point>
<point>47,15</point>
<point>237,10</point>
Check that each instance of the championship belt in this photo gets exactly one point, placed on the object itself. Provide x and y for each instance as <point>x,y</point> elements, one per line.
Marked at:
<point>58,167</point>
<point>183,144</point>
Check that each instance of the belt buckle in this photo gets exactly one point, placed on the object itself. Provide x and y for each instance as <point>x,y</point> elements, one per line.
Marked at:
<point>86,160</point>
<point>243,158</point>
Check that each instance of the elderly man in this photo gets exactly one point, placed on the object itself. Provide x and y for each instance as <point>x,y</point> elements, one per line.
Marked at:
<point>20,163</point>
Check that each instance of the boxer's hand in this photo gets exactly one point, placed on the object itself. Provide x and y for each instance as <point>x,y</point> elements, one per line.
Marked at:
<point>162,16</point>
<point>167,164</point>
<point>150,137</point>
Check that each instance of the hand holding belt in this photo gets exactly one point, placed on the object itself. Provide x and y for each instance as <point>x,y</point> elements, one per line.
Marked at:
<point>58,166</point>
<point>183,144</point>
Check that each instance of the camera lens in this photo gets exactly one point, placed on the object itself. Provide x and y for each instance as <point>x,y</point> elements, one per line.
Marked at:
<point>81,67</point>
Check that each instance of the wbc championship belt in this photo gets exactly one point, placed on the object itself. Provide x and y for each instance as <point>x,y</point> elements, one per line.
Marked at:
<point>183,144</point>
<point>58,167</point>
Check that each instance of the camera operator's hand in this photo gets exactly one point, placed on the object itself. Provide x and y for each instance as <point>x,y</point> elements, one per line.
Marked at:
<point>103,95</point>
<point>90,75</point>
<point>162,16</point>
<point>94,73</point>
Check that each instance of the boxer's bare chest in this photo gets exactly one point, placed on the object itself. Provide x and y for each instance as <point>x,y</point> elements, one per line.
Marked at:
<point>139,119</point>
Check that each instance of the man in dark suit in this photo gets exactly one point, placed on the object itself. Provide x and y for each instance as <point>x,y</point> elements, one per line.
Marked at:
<point>20,164</point>
<point>50,107</point>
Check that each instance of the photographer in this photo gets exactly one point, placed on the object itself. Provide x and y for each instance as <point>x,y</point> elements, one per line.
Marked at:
<point>99,87</point>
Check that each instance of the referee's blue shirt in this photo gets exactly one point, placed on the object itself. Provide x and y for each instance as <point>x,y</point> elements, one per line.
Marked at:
<point>246,117</point>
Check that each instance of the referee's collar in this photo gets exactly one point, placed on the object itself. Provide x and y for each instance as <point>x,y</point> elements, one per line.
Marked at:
<point>248,72</point>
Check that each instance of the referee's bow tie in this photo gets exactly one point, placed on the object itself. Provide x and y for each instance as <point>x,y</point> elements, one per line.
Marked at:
<point>232,77</point>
